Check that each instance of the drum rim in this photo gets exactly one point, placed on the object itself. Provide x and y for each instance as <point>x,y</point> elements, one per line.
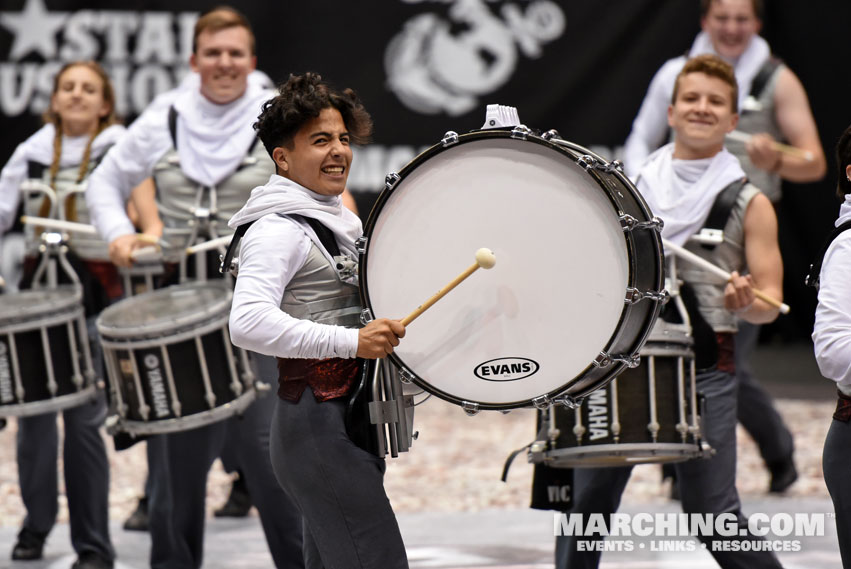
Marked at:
<point>69,300</point>
<point>52,404</point>
<point>210,315</point>
<point>568,149</point>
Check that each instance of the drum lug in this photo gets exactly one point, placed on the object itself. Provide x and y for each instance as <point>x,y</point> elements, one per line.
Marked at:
<point>543,402</point>
<point>569,402</point>
<point>551,134</point>
<point>406,376</point>
<point>521,132</point>
<point>360,244</point>
<point>634,296</point>
<point>450,138</point>
<point>470,408</point>
<point>390,180</point>
<point>605,360</point>
<point>366,316</point>
<point>591,163</point>
<point>629,223</point>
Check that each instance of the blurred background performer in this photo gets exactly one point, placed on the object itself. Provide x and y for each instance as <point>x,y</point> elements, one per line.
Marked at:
<point>832,344</point>
<point>80,127</point>
<point>202,143</point>
<point>297,299</point>
<point>680,182</point>
<point>773,107</point>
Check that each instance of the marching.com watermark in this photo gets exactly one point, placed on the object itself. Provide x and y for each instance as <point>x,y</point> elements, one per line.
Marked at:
<point>718,532</point>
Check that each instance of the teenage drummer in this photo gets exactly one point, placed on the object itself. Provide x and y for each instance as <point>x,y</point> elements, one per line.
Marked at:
<point>80,127</point>
<point>680,182</point>
<point>290,301</point>
<point>202,152</point>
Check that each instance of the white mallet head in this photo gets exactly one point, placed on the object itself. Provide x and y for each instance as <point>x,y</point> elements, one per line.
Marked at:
<point>485,258</point>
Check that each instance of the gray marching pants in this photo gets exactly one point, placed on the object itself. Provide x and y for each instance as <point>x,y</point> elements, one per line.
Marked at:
<point>85,463</point>
<point>177,471</point>
<point>836,463</point>
<point>339,488</point>
<point>86,475</point>
<point>706,485</point>
<point>756,410</point>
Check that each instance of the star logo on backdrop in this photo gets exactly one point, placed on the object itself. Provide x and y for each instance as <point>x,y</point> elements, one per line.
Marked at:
<point>35,29</point>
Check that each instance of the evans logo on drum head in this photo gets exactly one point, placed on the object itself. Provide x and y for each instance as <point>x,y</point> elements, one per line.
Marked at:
<point>506,369</point>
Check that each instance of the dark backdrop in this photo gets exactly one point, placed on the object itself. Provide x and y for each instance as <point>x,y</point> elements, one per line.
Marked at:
<point>423,67</point>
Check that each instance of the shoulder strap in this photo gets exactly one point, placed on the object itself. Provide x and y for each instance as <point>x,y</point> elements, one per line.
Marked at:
<point>326,237</point>
<point>724,203</point>
<point>35,170</point>
<point>172,125</point>
<point>720,212</point>
<point>812,278</point>
<point>763,75</point>
<point>224,267</point>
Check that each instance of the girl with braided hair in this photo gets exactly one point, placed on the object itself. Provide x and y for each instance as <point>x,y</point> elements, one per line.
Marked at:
<point>80,126</point>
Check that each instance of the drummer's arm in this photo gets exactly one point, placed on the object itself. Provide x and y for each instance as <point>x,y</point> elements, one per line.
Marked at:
<point>143,202</point>
<point>762,254</point>
<point>832,329</point>
<point>126,165</point>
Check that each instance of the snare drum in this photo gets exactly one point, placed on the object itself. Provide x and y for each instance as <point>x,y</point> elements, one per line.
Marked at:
<point>579,269</point>
<point>170,361</point>
<point>45,362</point>
<point>645,415</point>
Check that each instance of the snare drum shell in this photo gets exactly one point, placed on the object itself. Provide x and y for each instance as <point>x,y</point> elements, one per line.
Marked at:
<point>186,371</point>
<point>24,357</point>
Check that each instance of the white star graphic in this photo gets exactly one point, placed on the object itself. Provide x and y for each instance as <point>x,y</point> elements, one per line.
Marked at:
<point>35,29</point>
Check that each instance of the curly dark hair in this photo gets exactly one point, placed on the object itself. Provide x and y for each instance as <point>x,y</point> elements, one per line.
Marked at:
<point>301,99</point>
<point>843,159</point>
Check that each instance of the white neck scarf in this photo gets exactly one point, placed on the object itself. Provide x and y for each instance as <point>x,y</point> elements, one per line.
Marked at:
<point>283,196</point>
<point>212,139</point>
<point>747,65</point>
<point>39,147</point>
<point>682,192</point>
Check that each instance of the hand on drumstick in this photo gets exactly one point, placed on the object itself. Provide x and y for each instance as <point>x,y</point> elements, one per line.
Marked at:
<point>122,248</point>
<point>739,293</point>
<point>379,337</point>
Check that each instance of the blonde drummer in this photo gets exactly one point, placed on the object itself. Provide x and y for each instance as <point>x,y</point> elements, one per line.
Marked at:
<point>80,127</point>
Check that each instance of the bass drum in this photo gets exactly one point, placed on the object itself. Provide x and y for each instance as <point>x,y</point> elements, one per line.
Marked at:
<point>575,289</point>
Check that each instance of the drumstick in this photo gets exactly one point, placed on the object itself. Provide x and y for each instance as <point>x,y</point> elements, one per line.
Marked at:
<point>484,259</point>
<point>59,224</point>
<point>144,254</point>
<point>706,265</point>
<point>207,245</point>
<point>79,227</point>
<point>779,146</point>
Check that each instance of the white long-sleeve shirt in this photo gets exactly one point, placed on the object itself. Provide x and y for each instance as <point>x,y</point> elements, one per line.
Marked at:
<point>832,329</point>
<point>271,253</point>
<point>126,166</point>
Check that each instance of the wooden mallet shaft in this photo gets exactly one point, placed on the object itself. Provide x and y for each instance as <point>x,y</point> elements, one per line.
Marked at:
<point>704,264</point>
<point>484,259</point>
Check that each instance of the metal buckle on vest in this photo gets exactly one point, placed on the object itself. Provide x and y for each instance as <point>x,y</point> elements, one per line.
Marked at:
<point>346,267</point>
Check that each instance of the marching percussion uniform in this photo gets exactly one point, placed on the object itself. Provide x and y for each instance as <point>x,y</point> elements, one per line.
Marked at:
<point>757,74</point>
<point>294,301</point>
<point>86,466</point>
<point>832,344</point>
<point>203,158</point>
<point>706,485</point>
